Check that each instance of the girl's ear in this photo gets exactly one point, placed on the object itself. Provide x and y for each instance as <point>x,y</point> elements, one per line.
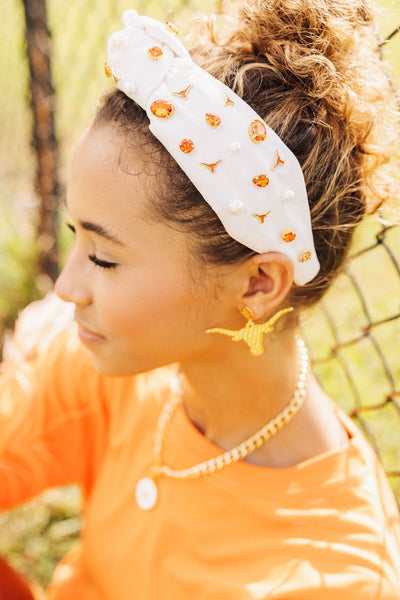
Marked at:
<point>270,278</point>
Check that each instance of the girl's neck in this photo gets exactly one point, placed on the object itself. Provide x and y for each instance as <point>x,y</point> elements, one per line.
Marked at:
<point>230,398</point>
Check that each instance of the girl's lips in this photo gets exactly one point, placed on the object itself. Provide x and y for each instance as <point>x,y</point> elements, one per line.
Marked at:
<point>87,336</point>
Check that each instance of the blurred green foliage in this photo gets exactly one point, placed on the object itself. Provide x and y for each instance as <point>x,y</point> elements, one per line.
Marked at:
<point>36,536</point>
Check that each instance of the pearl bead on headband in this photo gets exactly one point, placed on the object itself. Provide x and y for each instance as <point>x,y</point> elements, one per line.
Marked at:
<point>240,166</point>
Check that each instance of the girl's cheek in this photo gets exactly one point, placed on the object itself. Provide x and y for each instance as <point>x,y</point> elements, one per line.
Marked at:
<point>142,302</point>
<point>128,311</point>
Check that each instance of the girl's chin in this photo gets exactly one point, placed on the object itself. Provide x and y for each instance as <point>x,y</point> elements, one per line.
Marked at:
<point>109,359</point>
<point>114,368</point>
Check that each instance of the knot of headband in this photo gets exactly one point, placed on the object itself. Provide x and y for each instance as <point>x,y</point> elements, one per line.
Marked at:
<point>241,167</point>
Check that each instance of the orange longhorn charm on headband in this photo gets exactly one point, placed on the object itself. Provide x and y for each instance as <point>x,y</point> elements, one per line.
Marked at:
<point>171,28</point>
<point>211,166</point>
<point>261,218</point>
<point>228,101</point>
<point>252,333</point>
<point>277,161</point>
<point>183,94</point>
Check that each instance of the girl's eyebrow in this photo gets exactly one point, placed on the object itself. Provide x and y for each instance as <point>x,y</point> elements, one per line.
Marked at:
<point>105,232</point>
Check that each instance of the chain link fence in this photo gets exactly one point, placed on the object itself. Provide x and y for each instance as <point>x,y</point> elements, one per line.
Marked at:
<point>353,335</point>
<point>354,338</point>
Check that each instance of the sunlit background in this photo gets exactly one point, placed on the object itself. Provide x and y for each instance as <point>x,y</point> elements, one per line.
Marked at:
<point>354,337</point>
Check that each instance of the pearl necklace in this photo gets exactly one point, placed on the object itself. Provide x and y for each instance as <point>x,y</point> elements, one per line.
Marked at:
<point>146,489</point>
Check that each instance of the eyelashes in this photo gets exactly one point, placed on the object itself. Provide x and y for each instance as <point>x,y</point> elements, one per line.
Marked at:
<point>102,264</point>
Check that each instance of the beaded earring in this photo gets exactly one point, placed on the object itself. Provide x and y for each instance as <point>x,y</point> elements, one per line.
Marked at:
<point>252,333</point>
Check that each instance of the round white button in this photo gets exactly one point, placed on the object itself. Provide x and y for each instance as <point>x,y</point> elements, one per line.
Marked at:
<point>119,40</point>
<point>146,493</point>
<point>130,88</point>
<point>129,17</point>
<point>235,147</point>
<point>288,196</point>
<point>236,207</point>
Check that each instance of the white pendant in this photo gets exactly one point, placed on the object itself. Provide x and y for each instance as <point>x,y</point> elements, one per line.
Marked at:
<point>146,493</point>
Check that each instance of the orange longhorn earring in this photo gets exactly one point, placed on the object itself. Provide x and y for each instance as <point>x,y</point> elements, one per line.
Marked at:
<point>252,333</point>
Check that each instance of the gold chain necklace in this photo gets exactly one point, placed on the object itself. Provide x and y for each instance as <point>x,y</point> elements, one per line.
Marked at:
<point>146,489</point>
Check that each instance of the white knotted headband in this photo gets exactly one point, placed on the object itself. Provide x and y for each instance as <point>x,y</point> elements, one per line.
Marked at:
<point>240,166</point>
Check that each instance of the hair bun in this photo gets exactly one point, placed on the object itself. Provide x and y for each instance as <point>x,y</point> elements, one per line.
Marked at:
<point>312,70</point>
<point>308,43</point>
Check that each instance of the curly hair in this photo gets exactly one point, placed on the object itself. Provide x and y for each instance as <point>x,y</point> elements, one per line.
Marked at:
<point>312,70</point>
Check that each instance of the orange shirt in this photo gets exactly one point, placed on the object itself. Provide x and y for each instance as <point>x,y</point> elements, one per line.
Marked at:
<point>325,529</point>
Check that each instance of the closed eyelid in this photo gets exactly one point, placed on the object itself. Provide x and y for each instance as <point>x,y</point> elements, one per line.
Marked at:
<point>103,264</point>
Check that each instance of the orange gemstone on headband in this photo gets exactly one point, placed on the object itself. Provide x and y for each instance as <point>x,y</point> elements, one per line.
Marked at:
<point>288,235</point>
<point>257,131</point>
<point>184,93</point>
<point>107,70</point>
<point>213,120</point>
<point>228,101</point>
<point>162,109</point>
<point>115,78</point>
<point>155,52</point>
<point>305,255</point>
<point>277,161</point>
<point>171,28</point>
<point>261,180</point>
<point>186,146</point>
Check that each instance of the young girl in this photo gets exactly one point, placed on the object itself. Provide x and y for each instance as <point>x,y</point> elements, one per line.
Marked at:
<point>211,203</point>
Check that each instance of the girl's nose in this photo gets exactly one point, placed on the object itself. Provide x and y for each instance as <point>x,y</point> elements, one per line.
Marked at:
<point>72,285</point>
